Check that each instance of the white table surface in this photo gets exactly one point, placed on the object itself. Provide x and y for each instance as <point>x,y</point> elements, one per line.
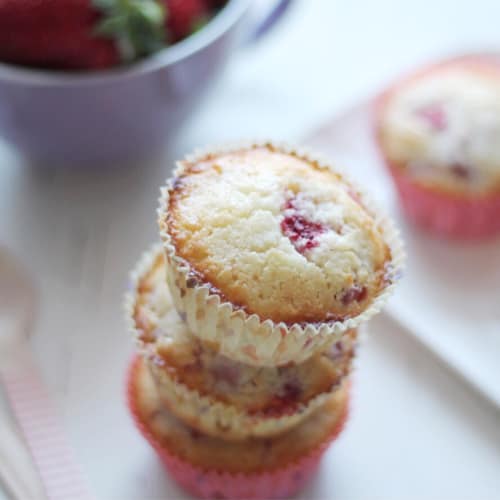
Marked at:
<point>416,432</point>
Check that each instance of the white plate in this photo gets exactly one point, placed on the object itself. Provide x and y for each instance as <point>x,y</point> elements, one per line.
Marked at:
<point>450,295</point>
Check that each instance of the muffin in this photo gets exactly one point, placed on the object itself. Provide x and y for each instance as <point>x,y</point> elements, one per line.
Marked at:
<point>210,392</point>
<point>272,255</point>
<point>439,133</point>
<point>212,468</point>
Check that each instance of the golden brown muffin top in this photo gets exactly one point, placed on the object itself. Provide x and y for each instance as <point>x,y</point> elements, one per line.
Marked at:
<point>277,235</point>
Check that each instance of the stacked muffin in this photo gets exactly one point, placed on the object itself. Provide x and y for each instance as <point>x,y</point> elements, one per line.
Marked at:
<point>246,317</point>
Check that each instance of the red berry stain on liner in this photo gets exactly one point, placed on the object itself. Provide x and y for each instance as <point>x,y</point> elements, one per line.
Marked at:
<point>291,391</point>
<point>285,402</point>
<point>302,232</point>
<point>434,115</point>
<point>226,372</point>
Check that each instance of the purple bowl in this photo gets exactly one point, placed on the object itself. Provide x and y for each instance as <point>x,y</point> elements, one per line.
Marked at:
<point>122,115</point>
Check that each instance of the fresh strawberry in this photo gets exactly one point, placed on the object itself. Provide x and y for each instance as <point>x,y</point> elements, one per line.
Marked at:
<point>216,4</point>
<point>184,17</point>
<point>79,34</point>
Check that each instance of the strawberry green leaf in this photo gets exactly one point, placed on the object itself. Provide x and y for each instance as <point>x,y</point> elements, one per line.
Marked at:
<point>199,24</point>
<point>103,4</point>
<point>137,26</point>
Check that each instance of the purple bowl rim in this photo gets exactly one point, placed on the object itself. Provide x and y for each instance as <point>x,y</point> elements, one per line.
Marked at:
<point>217,27</point>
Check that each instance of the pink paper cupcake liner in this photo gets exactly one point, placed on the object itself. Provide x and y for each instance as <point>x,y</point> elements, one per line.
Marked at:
<point>437,211</point>
<point>209,483</point>
<point>447,215</point>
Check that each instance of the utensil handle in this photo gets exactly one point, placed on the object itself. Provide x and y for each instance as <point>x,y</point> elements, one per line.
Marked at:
<point>18,475</point>
<point>269,21</point>
<point>42,429</point>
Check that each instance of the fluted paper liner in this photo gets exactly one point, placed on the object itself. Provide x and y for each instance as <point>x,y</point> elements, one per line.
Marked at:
<point>245,337</point>
<point>210,483</point>
<point>445,215</point>
<point>204,412</point>
<point>223,420</point>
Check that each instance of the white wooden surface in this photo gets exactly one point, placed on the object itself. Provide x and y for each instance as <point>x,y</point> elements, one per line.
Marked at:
<point>416,432</point>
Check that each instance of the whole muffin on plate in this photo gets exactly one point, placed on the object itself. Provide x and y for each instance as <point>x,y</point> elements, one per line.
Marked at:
<point>272,255</point>
<point>208,467</point>
<point>439,132</point>
<point>210,392</point>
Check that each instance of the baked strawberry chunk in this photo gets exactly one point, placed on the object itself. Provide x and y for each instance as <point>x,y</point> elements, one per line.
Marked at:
<point>302,232</point>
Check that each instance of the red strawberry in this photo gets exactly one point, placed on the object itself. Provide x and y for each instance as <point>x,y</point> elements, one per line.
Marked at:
<point>216,4</point>
<point>184,17</point>
<point>79,34</point>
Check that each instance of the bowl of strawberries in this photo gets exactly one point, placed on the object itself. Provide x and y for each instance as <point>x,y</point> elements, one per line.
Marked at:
<point>97,82</point>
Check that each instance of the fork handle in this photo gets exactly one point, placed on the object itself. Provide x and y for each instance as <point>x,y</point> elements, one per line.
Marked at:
<point>42,429</point>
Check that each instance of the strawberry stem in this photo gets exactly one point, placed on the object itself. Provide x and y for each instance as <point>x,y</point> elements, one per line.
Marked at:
<point>137,26</point>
